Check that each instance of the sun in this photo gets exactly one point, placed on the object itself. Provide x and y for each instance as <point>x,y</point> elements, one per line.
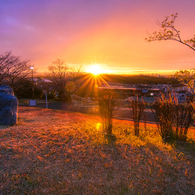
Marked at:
<point>95,69</point>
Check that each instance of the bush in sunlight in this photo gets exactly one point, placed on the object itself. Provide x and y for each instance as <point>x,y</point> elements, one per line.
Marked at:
<point>106,106</point>
<point>173,119</point>
<point>137,107</point>
<point>183,117</point>
<point>164,111</point>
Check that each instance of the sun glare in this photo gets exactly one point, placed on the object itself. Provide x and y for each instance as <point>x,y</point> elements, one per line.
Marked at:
<point>96,69</point>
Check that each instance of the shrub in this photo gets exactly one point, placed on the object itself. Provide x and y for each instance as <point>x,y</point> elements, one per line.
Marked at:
<point>164,111</point>
<point>106,106</point>
<point>23,89</point>
<point>173,119</point>
<point>137,110</point>
<point>183,117</point>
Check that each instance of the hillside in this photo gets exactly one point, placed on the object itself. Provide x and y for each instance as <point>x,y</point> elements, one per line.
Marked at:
<point>128,79</point>
<point>58,152</point>
<point>139,79</point>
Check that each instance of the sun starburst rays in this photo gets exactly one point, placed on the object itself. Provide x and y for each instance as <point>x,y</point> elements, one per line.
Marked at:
<point>91,82</point>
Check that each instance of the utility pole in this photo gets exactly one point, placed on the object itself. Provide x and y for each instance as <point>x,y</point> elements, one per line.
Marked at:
<point>32,82</point>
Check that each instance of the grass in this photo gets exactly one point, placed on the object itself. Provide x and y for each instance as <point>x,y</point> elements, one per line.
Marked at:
<point>58,152</point>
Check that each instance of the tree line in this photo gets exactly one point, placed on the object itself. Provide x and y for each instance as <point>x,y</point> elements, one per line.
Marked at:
<point>65,79</point>
<point>16,73</point>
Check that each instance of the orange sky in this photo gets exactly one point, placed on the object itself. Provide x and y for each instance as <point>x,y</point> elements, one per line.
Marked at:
<point>108,32</point>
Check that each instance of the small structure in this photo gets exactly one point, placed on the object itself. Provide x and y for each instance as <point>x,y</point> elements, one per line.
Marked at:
<point>179,87</point>
<point>8,106</point>
<point>32,103</point>
<point>130,91</point>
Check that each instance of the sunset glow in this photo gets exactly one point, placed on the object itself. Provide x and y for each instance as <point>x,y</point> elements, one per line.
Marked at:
<point>111,33</point>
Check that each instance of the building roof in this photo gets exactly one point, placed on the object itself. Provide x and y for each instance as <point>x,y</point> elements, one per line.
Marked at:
<point>179,85</point>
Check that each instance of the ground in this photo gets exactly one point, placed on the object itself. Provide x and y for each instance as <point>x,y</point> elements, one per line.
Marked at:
<point>59,152</point>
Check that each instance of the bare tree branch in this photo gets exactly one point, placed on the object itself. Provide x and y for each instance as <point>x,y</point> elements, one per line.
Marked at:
<point>169,32</point>
<point>12,69</point>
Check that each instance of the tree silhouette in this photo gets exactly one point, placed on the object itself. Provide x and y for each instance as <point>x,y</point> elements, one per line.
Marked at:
<point>63,78</point>
<point>12,69</point>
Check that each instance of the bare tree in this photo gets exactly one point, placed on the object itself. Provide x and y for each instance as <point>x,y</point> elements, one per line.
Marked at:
<point>169,32</point>
<point>137,108</point>
<point>12,69</point>
<point>3,62</point>
<point>61,75</point>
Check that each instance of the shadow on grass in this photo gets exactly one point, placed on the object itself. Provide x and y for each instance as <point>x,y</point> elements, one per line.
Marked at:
<point>110,139</point>
<point>4,127</point>
<point>183,148</point>
<point>188,148</point>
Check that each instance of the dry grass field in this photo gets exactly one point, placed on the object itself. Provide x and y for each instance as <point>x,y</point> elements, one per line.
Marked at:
<point>58,152</point>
